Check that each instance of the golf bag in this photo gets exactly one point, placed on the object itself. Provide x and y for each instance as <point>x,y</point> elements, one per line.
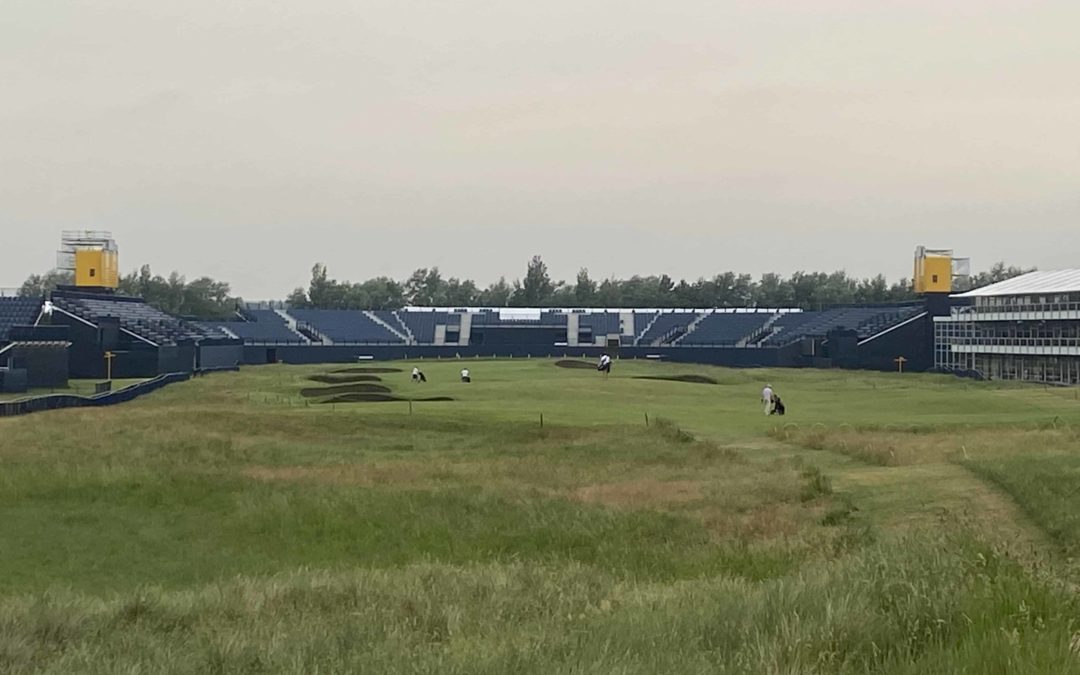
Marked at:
<point>778,406</point>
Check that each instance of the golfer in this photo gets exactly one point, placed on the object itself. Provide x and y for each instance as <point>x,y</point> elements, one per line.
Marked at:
<point>767,398</point>
<point>604,365</point>
<point>465,377</point>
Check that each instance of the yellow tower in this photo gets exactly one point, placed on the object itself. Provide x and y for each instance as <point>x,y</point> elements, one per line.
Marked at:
<point>92,257</point>
<point>935,270</point>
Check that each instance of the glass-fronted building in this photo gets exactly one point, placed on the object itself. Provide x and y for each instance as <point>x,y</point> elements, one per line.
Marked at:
<point>1026,328</point>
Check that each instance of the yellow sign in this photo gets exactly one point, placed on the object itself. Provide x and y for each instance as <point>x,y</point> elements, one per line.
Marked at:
<point>109,356</point>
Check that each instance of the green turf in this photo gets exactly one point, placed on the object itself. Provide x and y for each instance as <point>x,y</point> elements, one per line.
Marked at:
<point>888,523</point>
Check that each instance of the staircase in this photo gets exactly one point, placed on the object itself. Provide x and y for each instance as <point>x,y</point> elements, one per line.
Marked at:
<point>395,331</point>
<point>290,322</point>
<point>691,327</point>
<point>309,332</point>
<point>648,326</point>
<point>761,333</point>
<point>408,335</point>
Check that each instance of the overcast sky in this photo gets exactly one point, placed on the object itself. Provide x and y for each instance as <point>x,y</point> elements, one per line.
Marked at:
<point>248,139</point>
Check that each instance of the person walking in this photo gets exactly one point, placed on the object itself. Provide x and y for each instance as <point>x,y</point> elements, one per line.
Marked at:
<point>767,398</point>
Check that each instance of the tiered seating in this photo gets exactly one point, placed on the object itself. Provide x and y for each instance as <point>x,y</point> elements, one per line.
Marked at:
<point>725,328</point>
<point>17,312</point>
<point>552,319</point>
<point>422,324</point>
<point>487,318</point>
<point>665,324</point>
<point>392,319</point>
<point>265,326</point>
<point>788,328</point>
<point>886,320</point>
<point>134,316</point>
<point>642,320</point>
<point>602,323</point>
<point>865,321</point>
<point>343,325</point>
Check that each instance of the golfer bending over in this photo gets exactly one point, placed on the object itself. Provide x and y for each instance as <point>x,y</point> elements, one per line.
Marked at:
<point>605,364</point>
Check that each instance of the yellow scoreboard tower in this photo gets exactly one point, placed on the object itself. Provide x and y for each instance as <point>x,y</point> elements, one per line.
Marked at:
<point>937,269</point>
<point>92,257</point>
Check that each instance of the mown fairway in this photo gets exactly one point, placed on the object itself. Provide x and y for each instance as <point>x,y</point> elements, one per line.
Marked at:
<point>906,524</point>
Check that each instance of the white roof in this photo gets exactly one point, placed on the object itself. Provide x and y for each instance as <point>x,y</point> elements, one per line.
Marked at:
<point>1032,283</point>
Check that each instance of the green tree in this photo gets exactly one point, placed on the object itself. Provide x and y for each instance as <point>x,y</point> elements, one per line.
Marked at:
<point>298,299</point>
<point>496,295</point>
<point>536,288</point>
<point>41,285</point>
<point>584,289</point>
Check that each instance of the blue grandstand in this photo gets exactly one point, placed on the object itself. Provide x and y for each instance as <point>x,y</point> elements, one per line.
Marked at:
<point>667,327</point>
<point>345,326</point>
<point>421,324</point>
<point>600,323</point>
<point>17,312</point>
<point>261,327</point>
<point>726,329</point>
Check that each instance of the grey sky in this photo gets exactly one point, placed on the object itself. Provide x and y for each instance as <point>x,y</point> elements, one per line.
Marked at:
<point>249,139</point>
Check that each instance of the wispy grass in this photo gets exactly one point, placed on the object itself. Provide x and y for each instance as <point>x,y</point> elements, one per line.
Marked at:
<point>929,604</point>
<point>224,526</point>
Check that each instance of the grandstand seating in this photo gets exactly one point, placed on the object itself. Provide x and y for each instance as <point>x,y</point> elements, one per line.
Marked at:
<point>134,316</point>
<point>485,318</point>
<point>341,325</point>
<point>667,326</point>
<point>725,328</point>
<point>642,321</point>
<point>422,324</point>
<point>865,321</point>
<point>392,319</point>
<point>263,327</point>
<point>17,312</point>
<point>552,319</point>
<point>602,323</point>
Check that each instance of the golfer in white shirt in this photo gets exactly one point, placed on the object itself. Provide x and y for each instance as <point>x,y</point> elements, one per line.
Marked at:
<point>767,398</point>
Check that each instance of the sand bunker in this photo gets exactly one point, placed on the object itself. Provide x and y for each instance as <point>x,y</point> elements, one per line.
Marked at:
<point>691,379</point>
<point>318,392</point>
<point>344,378</point>
<point>378,398</point>
<point>571,363</point>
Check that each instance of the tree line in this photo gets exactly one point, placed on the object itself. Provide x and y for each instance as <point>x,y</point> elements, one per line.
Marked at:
<point>211,299</point>
<point>428,287</point>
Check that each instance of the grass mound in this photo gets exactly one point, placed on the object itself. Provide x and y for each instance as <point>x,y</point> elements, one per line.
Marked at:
<point>330,378</point>
<point>319,392</point>
<point>574,363</point>
<point>368,369</point>
<point>691,379</point>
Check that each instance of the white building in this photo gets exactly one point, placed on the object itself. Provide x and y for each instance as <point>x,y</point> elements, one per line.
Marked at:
<point>1025,328</point>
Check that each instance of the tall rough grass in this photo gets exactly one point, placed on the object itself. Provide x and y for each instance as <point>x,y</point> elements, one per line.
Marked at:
<point>928,604</point>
